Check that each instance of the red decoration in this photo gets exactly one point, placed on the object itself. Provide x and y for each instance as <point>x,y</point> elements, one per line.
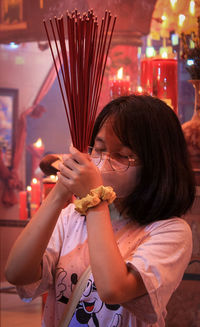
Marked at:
<point>23,212</point>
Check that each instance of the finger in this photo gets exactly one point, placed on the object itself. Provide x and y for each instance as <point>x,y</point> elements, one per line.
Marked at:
<point>65,156</point>
<point>66,171</point>
<point>81,158</point>
<point>63,180</point>
<point>73,165</point>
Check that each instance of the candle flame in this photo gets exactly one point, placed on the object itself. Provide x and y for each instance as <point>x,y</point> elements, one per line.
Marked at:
<point>139,89</point>
<point>120,73</point>
<point>34,180</point>
<point>38,143</point>
<point>29,188</point>
<point>53,178</point>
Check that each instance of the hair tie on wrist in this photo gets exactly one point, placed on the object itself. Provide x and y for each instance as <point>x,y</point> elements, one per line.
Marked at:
<point>96,195</point>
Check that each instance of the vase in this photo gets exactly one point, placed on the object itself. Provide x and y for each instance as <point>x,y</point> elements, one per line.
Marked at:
<point>191,131</point>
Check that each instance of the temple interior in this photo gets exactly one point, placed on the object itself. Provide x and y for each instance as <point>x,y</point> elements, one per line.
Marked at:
<point>151,51</point>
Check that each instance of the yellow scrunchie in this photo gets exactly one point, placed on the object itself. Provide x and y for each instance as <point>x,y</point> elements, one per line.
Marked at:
<point>96,195</point>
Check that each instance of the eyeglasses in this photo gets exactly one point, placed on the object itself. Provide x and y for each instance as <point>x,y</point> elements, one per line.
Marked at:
<point>117,161</point>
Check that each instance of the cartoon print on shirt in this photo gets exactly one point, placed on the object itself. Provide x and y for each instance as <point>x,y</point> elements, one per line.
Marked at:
<point>62,285</point>
<point>87,311</point>
<point>117,320</point>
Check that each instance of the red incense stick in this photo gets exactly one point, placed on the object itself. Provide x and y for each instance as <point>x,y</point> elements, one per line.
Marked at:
<point>82,47</point>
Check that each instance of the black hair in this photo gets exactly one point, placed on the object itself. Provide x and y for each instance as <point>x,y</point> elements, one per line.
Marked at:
<point>151,129</point>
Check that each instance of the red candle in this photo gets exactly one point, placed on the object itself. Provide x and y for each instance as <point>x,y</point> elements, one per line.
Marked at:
<point>48,184</point>
<point>120,85</point>
<point>23,212</point>
<point>146,75</point>
<point>35,195</point>
<point>165,81</point>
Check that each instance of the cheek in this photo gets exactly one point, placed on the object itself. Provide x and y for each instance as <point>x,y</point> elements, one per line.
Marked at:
<point>123,183</point>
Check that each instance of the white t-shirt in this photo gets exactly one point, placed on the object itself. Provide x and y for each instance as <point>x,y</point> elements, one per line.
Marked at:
<point>160,252</point>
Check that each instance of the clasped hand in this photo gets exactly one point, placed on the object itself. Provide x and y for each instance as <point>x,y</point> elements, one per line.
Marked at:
<point>78,173</point>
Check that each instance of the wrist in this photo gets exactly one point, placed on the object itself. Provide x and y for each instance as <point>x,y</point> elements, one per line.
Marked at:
<point>94,198</point>
<point>61,193</point>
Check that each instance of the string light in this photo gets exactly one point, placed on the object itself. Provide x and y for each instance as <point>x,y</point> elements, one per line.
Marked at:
<point>192,7</point>
<point>173,3</point>
<point>181,19</point>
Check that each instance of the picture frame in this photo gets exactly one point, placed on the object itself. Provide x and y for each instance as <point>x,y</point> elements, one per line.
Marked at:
<point>8,122</point>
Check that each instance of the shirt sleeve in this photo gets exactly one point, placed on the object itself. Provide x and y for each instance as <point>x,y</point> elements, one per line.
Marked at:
<point>161,259</point>
<point>50,258</point>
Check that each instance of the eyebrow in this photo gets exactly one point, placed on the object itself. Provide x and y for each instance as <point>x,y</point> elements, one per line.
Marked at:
<point>99,139</point>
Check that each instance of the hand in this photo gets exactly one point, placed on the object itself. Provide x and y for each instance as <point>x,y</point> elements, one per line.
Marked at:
<point>78,173</point>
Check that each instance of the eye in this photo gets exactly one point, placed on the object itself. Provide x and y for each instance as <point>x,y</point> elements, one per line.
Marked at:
<point>98,150</point>
<point>119,156</point>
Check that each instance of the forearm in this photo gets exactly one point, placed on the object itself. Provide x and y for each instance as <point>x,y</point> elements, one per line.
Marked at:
<point>115,283</point>
<point>24,262</point>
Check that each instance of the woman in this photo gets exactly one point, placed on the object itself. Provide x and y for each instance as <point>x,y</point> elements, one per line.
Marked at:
<point>139,150</point>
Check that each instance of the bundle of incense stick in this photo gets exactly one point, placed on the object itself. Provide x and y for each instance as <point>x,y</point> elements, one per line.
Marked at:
<point>81,46</point>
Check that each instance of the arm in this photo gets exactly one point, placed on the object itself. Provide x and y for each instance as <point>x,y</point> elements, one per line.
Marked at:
<point>114,282</point>
<point>24,262</point>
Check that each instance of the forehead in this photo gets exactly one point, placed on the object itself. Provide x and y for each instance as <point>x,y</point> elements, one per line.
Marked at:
<point>106,134</point>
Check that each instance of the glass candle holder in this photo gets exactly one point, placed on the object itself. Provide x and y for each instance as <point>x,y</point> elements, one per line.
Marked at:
<point>164,84</point>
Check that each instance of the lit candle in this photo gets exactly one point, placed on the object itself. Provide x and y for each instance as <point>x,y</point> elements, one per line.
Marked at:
<point>146,75</point>
<point>120,85</point>
<point>23,212</point>
<point>35,195</point>
<point>48,184</point>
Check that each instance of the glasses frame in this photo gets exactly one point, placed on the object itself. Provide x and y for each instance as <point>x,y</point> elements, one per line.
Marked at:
<point>108,154</point>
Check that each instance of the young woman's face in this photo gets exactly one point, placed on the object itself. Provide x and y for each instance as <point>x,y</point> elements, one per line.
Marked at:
<point>127,169</point>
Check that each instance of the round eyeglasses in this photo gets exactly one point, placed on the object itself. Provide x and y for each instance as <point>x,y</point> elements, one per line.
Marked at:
<point>117,161</point>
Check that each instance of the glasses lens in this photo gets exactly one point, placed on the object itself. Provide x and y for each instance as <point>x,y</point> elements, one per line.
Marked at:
<point>96,156</point>
<point>118,162</point>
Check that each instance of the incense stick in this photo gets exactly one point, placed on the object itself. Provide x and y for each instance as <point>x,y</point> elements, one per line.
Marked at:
<point>82,67</point>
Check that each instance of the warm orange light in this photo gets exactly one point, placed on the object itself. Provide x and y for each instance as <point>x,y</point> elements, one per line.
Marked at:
<point>38,143</point>
<point>29,188</point>
<point>139,89</point>
<point>192,7</point>
<point>181,19</point>
<point>34,180</point>
<point>53,178</point>
<point>120,73</point>
<point>173,3</point>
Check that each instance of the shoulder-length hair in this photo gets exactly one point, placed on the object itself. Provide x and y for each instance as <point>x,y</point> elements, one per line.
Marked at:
<point>151,129</point>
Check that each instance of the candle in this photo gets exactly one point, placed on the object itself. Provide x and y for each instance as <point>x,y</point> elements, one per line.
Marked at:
<point>165,81</point>
<point>120,85</point>
<point>48,184</point>
<point>28,190</point>
<point>23,212</point>
<point>146,75</point>
<point>35,195</point>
